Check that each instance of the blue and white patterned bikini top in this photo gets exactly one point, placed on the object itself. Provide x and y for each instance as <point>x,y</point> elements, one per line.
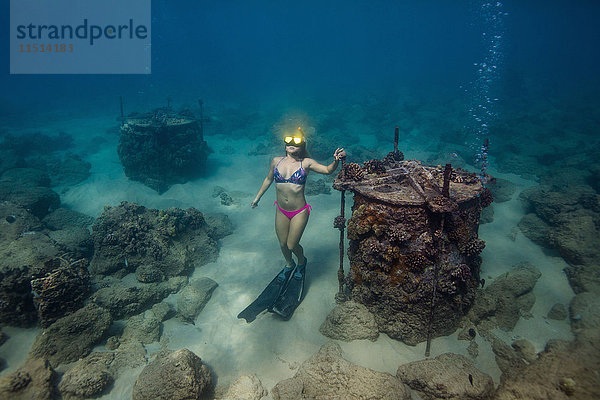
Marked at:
<point>298,177</point>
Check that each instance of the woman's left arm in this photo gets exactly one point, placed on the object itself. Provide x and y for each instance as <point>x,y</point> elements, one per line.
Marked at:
<point>328,169</point>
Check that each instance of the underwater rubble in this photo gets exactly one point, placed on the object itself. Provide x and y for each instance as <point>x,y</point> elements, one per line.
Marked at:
<point>26,158</point>
<point>567,219</point>
<point>162,378</point>
<point>153,244</point>
<point>563,215</point>
<point>160,247</point>
<point>245,387</point>
<point>40,280</point>
<point>61,291</point>
<point>42,243</point>
<point>35,380</point>
<point>447,376</point>
<point>508,298</point>
<point>72,337</point>
<point>327,375</point>
<point>31,253</point>
<point>563,370</point>
<point>350,321</point>
<point>71,286</point>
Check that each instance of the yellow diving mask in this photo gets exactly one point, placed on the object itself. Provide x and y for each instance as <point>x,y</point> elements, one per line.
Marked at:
<point>295,140</point>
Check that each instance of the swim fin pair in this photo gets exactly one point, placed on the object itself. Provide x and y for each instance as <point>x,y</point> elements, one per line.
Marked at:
<point>281,296</point>
<point>292,295</point>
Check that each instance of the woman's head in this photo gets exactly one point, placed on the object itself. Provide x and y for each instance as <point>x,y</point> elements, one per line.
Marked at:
<point>295,144</point>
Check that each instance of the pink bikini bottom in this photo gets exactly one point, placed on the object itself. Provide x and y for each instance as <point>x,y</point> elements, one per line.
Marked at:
<point>290,214</point>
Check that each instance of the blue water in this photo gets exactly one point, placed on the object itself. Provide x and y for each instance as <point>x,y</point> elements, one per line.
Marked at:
<point>265,52</point>
<point>450,74</point>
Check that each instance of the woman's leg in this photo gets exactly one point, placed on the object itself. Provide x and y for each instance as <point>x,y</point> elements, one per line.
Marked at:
<point>297,225</point>
<point>282,226</point>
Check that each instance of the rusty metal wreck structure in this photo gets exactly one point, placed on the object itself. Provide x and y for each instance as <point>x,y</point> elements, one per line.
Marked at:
<point>414,246</point>
<point>163,147</point>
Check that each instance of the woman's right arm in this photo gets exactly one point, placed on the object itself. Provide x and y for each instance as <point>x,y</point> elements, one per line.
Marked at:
<point>265,185</point>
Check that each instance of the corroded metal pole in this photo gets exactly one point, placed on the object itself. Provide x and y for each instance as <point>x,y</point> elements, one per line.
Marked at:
<point>438,243</point>
<point>447,174</point>
<point>428,346</point>
<point>341,274</point>
<point>396,135</point>
<point>340,223</point>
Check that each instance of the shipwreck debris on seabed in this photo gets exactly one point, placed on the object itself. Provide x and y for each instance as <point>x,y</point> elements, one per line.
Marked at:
<point>414,246</point>
<point>163,147</point>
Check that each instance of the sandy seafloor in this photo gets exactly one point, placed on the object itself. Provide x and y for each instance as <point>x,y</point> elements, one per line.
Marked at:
<point>250,257</point>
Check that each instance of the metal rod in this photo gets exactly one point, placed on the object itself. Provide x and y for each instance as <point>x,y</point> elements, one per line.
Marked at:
<point>415,185</point>
<point>396,134</point>
<point>341,226</point>
<point>435,284</point>
<point>428,345</point>
<point>341,274</point>
<point>447,175</point>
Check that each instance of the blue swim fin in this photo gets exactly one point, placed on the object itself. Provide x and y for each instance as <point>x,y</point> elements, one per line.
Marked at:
<point>268,297</point>
<point>292,295</point>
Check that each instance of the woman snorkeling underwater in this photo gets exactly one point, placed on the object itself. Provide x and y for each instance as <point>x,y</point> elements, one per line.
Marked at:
<point>284,293</point>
